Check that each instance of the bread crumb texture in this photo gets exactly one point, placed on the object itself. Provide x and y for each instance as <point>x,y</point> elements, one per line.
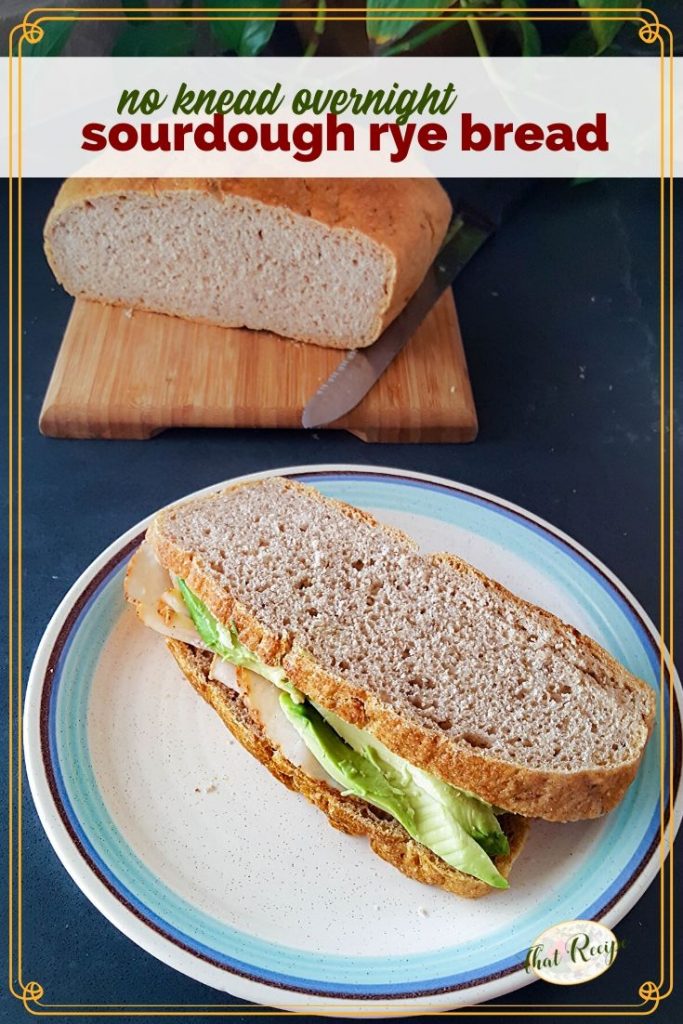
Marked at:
<point>425,638</point>
<point>314,260</point>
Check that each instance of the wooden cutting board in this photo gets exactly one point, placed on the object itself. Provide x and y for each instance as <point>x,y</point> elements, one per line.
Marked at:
<point>123,374</point>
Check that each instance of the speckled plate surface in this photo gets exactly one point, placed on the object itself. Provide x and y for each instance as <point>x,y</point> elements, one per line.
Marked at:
<point>191,849</point>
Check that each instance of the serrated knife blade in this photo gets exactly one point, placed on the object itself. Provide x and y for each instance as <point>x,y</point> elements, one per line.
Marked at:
<point>361,368</point>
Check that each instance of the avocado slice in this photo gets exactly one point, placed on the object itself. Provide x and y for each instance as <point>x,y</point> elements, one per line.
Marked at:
<point>474,814</point>
<point>434,822</point>
<point>226,644</point>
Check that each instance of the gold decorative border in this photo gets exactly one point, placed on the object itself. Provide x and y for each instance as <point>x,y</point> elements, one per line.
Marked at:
<point>30,31</point>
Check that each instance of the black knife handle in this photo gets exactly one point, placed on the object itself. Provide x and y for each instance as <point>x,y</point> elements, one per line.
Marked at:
<point>489,201</point>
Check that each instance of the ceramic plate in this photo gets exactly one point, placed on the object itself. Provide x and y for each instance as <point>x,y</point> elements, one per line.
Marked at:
<point>190,848</point>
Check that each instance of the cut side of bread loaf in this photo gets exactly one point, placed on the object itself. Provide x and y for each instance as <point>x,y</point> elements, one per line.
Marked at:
<point>443,665</point>
<point>349,814</point>
<point>325,261</point>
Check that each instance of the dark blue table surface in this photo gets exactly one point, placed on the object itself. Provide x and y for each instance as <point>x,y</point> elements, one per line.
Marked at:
<point>560,320</point>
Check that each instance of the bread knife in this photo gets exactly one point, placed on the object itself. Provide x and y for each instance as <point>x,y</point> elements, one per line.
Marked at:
<point>481,209</point>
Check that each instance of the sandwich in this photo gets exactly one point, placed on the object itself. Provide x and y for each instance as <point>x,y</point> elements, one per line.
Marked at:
<point>411,698</point>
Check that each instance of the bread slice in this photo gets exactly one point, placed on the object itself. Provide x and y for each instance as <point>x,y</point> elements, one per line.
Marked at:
<point>347,813</point>
<point>329,261</point>
<point>443,665</point>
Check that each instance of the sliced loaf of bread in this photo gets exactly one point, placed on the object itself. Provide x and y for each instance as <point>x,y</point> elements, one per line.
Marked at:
<point>446,667</point>
<point>328,261</point>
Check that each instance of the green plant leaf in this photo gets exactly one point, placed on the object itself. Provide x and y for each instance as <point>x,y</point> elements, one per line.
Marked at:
<point>154,39</point>
<point>248,36</point>
<point>603,32</point>
<point>55,36</point>
<point>386,30</point>
<point>526,30</point>
<point>581,45</point>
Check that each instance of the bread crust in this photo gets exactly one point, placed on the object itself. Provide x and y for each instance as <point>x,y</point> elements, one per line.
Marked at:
<point>535,793</point>
<point>349,814</point>
<point>407,218</point>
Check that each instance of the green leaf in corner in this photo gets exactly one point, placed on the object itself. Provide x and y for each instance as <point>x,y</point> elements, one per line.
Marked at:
<point>154,39</point>
<point>248,36</point>
<point>603,31</point>
<point>386,30</point>
<point>526,30</point>
<point>55,37</point>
